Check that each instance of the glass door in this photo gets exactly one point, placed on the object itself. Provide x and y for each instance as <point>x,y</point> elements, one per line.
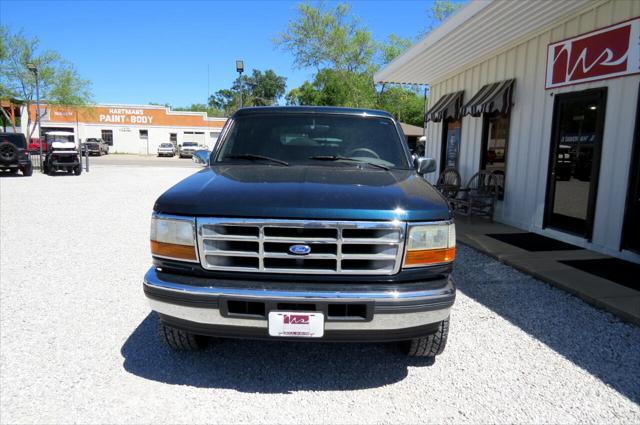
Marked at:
<point>631,229</point>
<point>574,165</point>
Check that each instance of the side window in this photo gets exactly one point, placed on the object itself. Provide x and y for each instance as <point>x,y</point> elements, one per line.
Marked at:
<point>107,136</point>
<point>144,134</point>
<point>495,142</point>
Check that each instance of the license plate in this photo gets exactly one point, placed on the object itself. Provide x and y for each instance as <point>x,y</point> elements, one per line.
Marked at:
<point>296,324</point>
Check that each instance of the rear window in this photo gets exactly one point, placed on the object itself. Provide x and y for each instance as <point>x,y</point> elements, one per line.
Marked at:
<point>16,139</point>
<point>189,144</point>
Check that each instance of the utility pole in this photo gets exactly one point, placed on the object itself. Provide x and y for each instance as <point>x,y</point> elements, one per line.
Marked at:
<point>33,68</point>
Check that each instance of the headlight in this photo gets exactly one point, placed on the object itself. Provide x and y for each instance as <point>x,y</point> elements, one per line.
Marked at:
<point>173,238</point>
<point>430,244</point>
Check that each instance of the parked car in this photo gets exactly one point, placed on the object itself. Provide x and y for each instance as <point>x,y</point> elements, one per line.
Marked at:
<point>34,145</point>
<point>14,154</point>
<point>166,149</point>
<point>187,149</point>
<point>306,223</point>
<point>62,154</point>
<point>96,147</point>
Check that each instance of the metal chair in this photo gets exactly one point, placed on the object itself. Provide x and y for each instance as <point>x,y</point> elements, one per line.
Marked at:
<point>498,175</point>
<point>449,183</point>
<point>478,197</point>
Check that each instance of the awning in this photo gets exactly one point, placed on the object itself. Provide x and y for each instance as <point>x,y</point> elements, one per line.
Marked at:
<point>491,98</point>
<point>448,106</point>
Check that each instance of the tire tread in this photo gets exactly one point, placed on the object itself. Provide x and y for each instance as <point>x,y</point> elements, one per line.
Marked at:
<point>178,339</point>
<point>430,345</point>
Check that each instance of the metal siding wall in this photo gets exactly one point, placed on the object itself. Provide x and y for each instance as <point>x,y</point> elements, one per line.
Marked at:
<point>530,129</point>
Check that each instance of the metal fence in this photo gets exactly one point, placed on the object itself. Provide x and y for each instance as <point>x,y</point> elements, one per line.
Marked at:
<point>35,160</point>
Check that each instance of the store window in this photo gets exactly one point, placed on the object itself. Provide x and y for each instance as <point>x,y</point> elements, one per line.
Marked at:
<point>144,134</point>
<point>173,138</point>
<point>450,151</point>
<point>495,141</point>
<point>107,136</point>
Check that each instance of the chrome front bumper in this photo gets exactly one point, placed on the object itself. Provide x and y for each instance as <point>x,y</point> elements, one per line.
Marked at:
<point>197,304</point>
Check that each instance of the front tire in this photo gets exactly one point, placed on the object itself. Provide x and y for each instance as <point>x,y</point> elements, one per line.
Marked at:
<point>27,170</point>
<point>430,345</point>
<point>77,170</point>
<point>177,339</point>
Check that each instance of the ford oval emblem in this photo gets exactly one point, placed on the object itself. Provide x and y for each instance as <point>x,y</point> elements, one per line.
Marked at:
<point>300,249</point>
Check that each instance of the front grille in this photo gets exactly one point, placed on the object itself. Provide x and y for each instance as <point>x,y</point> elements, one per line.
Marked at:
<point>336,247</point>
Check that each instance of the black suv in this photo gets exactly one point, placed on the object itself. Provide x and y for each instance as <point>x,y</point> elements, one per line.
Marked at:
<point>14,155</point>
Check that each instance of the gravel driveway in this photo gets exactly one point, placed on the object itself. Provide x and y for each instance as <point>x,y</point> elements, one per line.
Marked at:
<point>78,343</point>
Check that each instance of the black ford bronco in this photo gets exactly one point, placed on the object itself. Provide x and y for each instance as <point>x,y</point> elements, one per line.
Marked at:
<point>14,155</point>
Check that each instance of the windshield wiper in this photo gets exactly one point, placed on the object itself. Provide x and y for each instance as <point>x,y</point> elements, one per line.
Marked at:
<point>346,158</point>
<point>251,156</point>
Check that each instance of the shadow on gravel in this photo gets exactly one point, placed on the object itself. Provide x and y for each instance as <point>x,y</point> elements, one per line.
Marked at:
<point>266,366</point>
<point>6,175</point>
<point>592,339</point>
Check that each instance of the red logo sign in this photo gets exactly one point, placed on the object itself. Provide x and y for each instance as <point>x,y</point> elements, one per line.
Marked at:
<point>296,319</point>
<point>606,53</point>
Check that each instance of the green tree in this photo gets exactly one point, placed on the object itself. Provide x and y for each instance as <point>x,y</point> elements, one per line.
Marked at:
<point>442,9</point>
<point>345,57</point>
<point>59,81</point>
<point>258,89</point>
<point>198,107</point>
<point>407,105</point>
<point>266,88</point>
<point>321,38</point>
<point>393,47</point>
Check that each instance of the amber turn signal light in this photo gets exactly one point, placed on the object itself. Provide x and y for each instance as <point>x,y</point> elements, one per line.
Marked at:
<point>424,257</point>
<point>182,252</point>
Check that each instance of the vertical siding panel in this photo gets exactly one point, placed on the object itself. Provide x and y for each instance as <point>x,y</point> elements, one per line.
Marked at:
<point>543,113</point>
<point>621,11</point>
<point>515,182</point>
<point>571,28</point>
<point>604,14</point>
<point>587,21</point>
<point>531,92</point>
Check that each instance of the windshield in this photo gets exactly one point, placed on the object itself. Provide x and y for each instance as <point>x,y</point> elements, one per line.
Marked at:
<point>314,139</point>
<point>166,145</point>
<point>189,144</point>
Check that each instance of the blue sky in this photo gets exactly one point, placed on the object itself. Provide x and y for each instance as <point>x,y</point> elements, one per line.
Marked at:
<point>146,51</point>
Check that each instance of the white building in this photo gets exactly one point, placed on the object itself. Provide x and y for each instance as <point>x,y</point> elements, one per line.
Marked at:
<point>548,94</point>
<point>135,129</point>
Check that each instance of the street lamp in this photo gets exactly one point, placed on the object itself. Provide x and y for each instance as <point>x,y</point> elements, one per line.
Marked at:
<point>33,68</point>
<point>240,70</point>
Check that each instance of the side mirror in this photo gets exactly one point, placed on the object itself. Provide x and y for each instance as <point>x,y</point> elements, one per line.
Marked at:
<point>424,165</point>
<point>201,157</point>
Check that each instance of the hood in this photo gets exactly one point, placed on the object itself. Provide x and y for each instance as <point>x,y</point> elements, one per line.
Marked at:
<point>63,145</point>
<point>305,192</point>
